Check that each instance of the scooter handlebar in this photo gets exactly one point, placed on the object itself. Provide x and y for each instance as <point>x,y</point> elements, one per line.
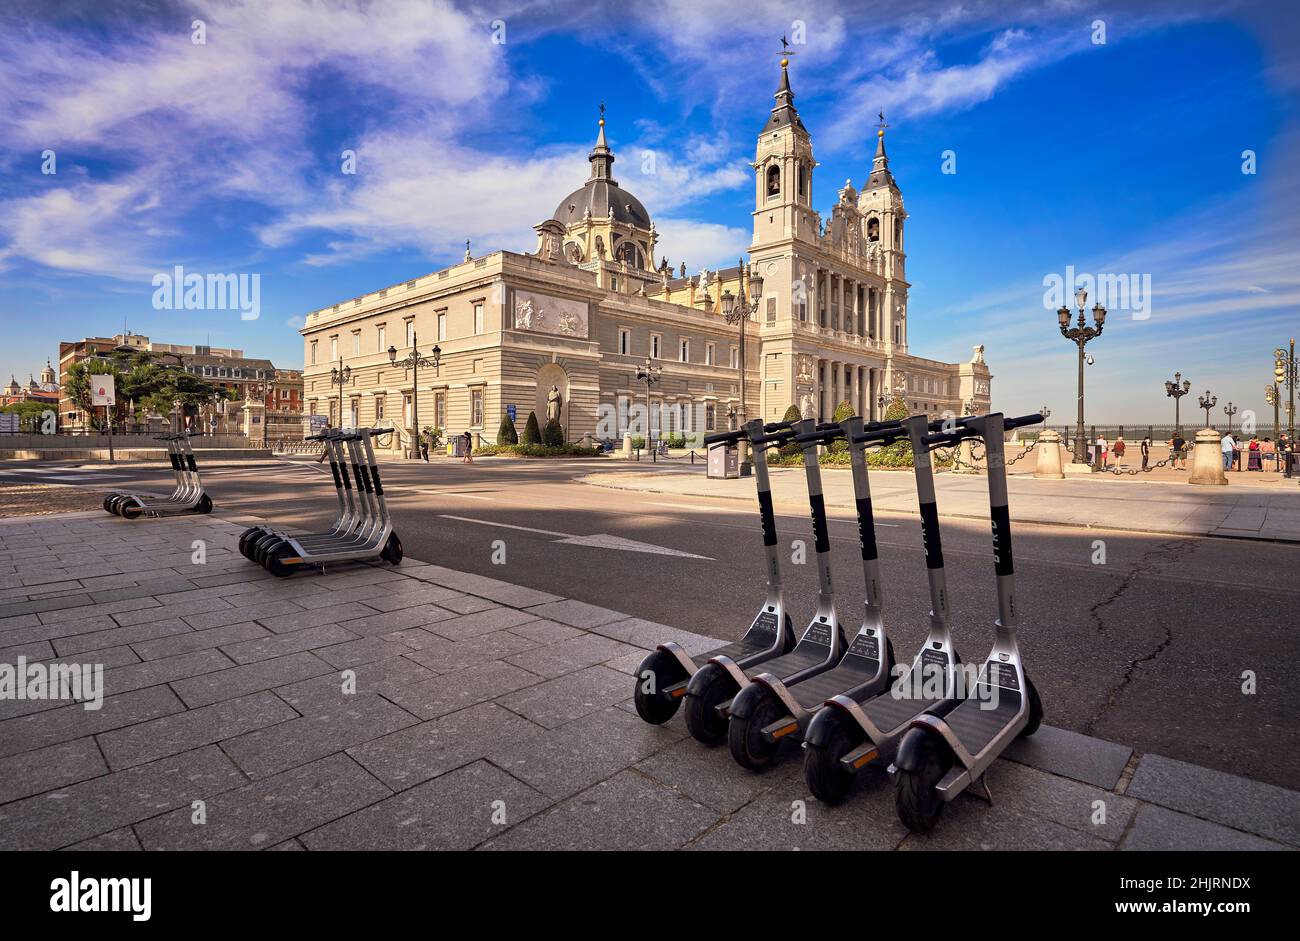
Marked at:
<point>784,436</point>
<point>1021,421</point>
<point>724,437</point>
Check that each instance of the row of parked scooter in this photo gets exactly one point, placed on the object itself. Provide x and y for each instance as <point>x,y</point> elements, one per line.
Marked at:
<point>188,496</point>
<point>933,726</point>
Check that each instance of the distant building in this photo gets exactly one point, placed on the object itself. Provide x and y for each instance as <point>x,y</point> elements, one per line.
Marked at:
<point>252,379</point>
<point>45,392</point>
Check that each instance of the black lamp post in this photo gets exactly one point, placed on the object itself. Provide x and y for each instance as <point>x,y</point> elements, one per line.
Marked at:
<point>1176,389</point>
<point>1287,372</point>
<point>340,376</point>
<point>1230,410</point>
<point>412,363</point>
<point>1273,396</point>
<point>1208,402</point>
<point>649,374</point>
<point>737,311</point>
<point>1081,333</point>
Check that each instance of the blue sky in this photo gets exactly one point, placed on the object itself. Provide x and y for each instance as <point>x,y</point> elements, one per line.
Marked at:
<point>1116,157</point>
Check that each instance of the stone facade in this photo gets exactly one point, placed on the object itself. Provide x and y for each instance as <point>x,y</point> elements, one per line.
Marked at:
<point>589,307</point>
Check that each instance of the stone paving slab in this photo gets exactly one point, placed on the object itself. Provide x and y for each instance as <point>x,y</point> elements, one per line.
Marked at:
<point>420,707</point>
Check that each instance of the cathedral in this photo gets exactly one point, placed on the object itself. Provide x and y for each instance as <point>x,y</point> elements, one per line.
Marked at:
<point>588,327</point>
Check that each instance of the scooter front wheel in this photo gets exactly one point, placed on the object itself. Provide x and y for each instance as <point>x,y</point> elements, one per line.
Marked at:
<point>915,797</point>
<point>656,672</point>
<point>822,771</point>
<point>702,719</point>
<point>745,736</point>
<point>1035,710</point>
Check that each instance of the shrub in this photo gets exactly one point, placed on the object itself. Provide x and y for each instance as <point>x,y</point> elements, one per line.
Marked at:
<point>898,454</point>
<point>553,434</point>
<point>843,412</point>
<point>537,450</point>
<point>506,434</point>
<point>638,442</point>
<point>531,433</point>
<point>791,450</point>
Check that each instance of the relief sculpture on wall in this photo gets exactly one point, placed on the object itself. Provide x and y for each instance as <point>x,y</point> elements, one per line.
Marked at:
<point>547,314</point>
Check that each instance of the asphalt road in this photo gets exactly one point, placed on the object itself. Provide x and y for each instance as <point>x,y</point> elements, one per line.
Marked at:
<point>1148,648</point>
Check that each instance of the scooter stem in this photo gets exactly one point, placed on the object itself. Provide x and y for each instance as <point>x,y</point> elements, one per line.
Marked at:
<point>817,503</point>
<point>758,455</point>
<point>917,427</point>
<point>1000,516</point>
<point>866,518</point>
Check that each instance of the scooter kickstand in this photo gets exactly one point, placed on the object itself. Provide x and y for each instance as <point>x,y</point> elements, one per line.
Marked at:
<point>982,785</point>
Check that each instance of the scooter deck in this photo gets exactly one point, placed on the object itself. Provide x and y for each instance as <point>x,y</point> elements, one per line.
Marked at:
<point>975,724</point>
<point>803,657</point>
<point>815,690</point>
<point>889,712</point>
<point>738,651</point>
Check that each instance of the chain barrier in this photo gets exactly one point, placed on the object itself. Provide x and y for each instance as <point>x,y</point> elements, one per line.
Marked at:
<point>1119,471</point>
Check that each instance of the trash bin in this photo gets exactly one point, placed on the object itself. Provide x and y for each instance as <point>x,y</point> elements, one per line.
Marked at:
<point>724,462</point>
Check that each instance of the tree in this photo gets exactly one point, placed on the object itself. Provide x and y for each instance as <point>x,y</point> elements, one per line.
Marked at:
<point>531,433</point>
<point>898,454</point>
<point>553,434</point>
<point>506,434</point>
<point>843,412</point>
<point>77,385</point>
<point>791,414</point>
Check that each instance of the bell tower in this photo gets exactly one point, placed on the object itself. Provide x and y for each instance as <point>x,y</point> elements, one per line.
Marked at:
<point>880,204</point>
<point>783,168</point>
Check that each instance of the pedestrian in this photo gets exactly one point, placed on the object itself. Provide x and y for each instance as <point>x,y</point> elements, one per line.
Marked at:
<point>1145,447</point>
<point>1101,451</point>
<point>424,448</point>
<point>1253,462</point>
<point>1119,450</point>
<point>1229,447</point>
<point>1176,445</point>
<point>1268,454</point>
<point>1292,456</point>
<point>469,448</point>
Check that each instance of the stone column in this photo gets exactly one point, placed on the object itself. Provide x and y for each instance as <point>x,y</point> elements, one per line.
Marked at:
<point>1207,460</point>
<point>1049,455</point>
<point>823,391</point>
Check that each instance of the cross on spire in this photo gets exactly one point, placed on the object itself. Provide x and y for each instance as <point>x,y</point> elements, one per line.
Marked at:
<point>785,48</point>
<point>882,125</point>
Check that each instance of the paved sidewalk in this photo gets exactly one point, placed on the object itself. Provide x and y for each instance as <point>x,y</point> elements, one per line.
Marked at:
<point>1100,501</point>
<point>484,715</point>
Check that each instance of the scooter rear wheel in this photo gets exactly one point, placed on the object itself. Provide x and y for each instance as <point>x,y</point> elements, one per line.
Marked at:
<point>822,771</point>
<point>702,719</point>
<point>915,797</point>
<point>745,736</point>
<point>392,552</point>
<point>108,508</point>
<point>130,511</point>
<point>651,704</point>
<point>245,538</point>
<point>1035,709</point>
<point>278,568</point>
<point>205,504</point>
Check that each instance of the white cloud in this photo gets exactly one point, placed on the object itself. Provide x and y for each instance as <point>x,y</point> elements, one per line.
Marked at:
<point>701,244</point>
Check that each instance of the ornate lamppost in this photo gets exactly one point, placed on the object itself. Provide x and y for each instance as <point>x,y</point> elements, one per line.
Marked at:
<point>1080,334</point>
<point>1273,396</point>
<point>1287,371</point>
<point>737,311</point>
<point>1207,402</point>
<point>650,373</point>
<point>340,376</point>
<point>411,363</point>
<point>1230,410</point>
<point>1176,388</point>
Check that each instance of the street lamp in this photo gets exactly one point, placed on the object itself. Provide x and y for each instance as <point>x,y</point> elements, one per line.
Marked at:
<point>1208,402</point>
<point>412,363</point>
<point>1273,396</point>
<point>1287,371</point>
<point>1081,334</point>
<point>737,311</point>
<point>1230,410</point>
<point>340,376</point>
<point>1176,388</point>
<point>649,374</point>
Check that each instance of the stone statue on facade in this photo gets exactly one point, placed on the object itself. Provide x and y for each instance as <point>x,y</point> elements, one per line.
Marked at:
<point>553,402</point>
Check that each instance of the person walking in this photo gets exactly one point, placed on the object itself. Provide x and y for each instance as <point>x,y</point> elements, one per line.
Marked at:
<point>1284,454</point>
<point>1145,447</point>
<point>1101,451</point>
<point>469,448</point>
<point>1268,455</point>
<point>1120,447</point>
<point>1177,444</point>
<point>1253,462</point>
<point>424,448</point>
<point>1228,446</point>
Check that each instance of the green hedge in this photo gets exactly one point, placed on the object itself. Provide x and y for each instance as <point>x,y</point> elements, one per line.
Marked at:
<point>537,450</point>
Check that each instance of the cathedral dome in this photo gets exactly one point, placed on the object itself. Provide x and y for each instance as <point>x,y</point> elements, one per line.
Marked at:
<point>600,196</point>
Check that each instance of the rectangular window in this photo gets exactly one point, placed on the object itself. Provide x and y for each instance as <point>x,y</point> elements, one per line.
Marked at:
<point>710,416</point>
<point>440,410</point>
<point>380,343</point>
<point>379,408</point>
<point>655,340</point>
<point>334,348</point>
<point>771,310</point>
<point>624,406</point>
<point>355,414</point>
<point>406,411</point>
<point>478,319</point>
<point>733,358</point>
<point>708,354</point>
<point>356,342</point>
<point>686,351</point>
<point>442,325</point>
<point>476,408</point>
<point>624,341</point>
<point>410,333</point>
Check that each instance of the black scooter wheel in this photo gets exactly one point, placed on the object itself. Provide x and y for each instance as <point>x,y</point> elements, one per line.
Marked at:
<point>826,778</point>
<point>656,672</point>
<point>702,719</point>
<point>1035,710</point>
<point>263,548</point>
<point>115,504</point>
<point>205,504</point>
<point>245,538</point>
<point>277,567</point>
<point>392,553</point>
<point>107,504</point>
<point>915,797</point>
<point>130,511</point>
<point>745,736</point>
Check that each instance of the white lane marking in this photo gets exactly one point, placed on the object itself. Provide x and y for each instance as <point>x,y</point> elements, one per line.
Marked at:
<point>596,540</point>
<point>453,493</point>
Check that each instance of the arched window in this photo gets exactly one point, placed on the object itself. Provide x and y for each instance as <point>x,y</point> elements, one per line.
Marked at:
<point>898,234</point>
<point>873,229</point>
<point>774,180</point>
<point>629,252</point>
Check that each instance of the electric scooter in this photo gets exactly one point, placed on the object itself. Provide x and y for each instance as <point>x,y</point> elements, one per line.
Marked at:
<point>772,709</point>
<point>712,689</point>
<point>846,736</point>
<point>662,677</point>
<point>942,755</point>
<point>187,497</point>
